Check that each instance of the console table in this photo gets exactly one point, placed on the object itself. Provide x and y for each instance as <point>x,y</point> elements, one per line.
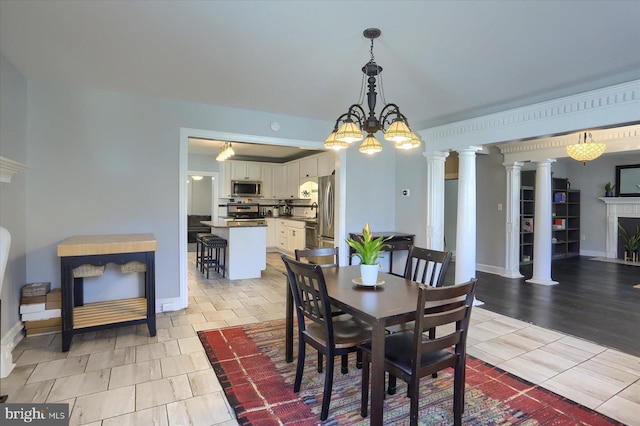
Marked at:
<point>399,241</point>
<point>99,250</point>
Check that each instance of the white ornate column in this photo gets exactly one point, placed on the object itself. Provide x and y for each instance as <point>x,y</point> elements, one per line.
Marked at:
<point>466,223</point>
<point>512,224</point>
<point>435,199</point>
<point>542,225</point>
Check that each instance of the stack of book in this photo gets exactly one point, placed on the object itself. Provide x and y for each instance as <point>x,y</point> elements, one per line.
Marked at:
<point>40,308</point>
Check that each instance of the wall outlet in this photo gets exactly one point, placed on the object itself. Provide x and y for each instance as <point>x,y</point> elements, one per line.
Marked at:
<point>583,237</point>
<point>406,192</point>
<point>499,207</point>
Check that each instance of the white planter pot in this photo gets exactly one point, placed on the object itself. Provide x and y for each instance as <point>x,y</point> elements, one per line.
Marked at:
<point>369,274</point>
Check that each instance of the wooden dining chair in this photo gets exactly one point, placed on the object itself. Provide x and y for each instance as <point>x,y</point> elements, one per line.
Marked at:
<point>328,335</point>
<point>427,266</point>
<point>326,257</point>
<point>410,355</point>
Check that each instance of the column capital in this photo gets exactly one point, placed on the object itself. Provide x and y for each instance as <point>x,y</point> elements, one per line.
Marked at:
<point>436,155</point>
<point>547,161</point>
<point>468,150</point>
<point>513,165</point>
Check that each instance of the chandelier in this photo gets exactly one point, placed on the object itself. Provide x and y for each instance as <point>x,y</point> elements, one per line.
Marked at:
<point>585,151</point>
<point>350,126</point>
<point>225,152</point>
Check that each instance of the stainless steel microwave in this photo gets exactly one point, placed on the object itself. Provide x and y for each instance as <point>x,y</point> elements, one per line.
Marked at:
<point>246,188</point>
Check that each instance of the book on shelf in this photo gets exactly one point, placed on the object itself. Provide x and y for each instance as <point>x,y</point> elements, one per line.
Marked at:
<point>560,197</point>
<point>527,224</point>
<point>559,223</point>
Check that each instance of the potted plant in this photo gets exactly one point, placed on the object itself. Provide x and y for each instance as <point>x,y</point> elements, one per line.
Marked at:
<point>367,249</point>
<point>608,189</point>
<point>631,243</point>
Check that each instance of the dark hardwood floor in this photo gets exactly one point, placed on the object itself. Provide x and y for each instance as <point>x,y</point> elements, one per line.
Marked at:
<point>594,300</point>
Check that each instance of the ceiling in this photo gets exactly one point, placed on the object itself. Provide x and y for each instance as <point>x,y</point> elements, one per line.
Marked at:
<point>443,60</point>
<point>250,151</point>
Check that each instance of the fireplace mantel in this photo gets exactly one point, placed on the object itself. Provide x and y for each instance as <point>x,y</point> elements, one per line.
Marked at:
<point>618,207</point>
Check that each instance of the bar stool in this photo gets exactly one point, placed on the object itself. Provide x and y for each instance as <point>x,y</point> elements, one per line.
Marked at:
<point>215,256</point>
<point>200,248</point>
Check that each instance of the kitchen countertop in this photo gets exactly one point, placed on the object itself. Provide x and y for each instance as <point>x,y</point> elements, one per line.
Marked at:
<point>231,224</point>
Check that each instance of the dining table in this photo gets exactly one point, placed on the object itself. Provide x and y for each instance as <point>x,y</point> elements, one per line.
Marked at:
<point>393,301</point>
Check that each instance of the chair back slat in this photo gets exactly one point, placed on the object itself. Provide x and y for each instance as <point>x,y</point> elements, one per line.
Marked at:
<point>427,266</point>
<point>326,257</point>
<point>444,342</point>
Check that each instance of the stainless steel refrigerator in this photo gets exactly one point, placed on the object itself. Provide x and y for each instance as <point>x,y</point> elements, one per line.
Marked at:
<point>326,210</point>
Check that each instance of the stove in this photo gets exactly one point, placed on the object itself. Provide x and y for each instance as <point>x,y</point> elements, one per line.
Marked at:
<point>245,212</point>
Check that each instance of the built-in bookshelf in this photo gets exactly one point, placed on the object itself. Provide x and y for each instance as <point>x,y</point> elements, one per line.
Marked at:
<point>527,197</point>
<point>565,220</point>
<point>565,225</point>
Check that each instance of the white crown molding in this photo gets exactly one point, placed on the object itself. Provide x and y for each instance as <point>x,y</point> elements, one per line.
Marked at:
<point>8,168</point>
<point>610,106</point>
<point>617,140</point>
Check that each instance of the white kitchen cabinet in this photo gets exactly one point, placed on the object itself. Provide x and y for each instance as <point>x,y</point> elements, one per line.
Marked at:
<point>308,168</point>
<point>280,188</point>
<point>224,187</point>
<point>246,170</point>
<point>282,232</point>
<point>293,179</point>
<point>295,237</point>
<point>267,181</point>
<point>326,163</point>
<point>272,241</point>
<point>289,235</point>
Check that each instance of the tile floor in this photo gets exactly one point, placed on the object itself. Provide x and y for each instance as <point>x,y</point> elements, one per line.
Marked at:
<point>124,377</point>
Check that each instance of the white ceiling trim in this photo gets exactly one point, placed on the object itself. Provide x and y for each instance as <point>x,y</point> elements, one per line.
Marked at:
<point>620,139</point>
<point>611,106</point>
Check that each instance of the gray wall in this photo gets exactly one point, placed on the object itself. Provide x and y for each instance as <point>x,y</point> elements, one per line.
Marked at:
<point>13,145</point>
<point>491,187</point>
<point>104,162</point>
<point>590,180</point>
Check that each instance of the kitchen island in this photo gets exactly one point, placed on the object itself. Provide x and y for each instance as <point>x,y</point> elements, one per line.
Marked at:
<point>246,247</point>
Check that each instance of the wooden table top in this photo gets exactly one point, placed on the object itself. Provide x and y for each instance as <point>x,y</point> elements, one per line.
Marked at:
<point>89,245</point>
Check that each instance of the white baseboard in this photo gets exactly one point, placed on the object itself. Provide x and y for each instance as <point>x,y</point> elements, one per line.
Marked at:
<point>593,253</point>
<point>490,269</point>
<point>169,304</point>
<point>7,344</point>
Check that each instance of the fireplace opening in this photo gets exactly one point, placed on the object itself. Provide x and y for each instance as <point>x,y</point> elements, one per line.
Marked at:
<point>629,225</point>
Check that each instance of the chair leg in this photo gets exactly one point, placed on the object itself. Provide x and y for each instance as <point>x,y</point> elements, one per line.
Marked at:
<point>328,386</point>
<point>391,390</point>
<point>364,401</point>
<point>344,368</point>
<point>320,357</point>
<point>458,394</point>
<point>300,365</point>
<point>414,391</point>
<point>432,336</point>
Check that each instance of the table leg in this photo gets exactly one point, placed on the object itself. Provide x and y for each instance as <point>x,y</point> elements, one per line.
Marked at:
<point>66,277</point>
<point>150,292</point>
<point>288,341</point>
<point>377,373</point>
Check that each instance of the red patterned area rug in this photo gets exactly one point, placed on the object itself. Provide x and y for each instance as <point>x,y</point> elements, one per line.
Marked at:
<point>249,362</point>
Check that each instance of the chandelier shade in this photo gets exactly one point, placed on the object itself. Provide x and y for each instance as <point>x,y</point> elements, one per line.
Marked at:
<point>398,131</point>
<point>335,144</point>
<point>370,145</point>
<point>586,151</point>
<point>349,132</point>
<point>351,126</point>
